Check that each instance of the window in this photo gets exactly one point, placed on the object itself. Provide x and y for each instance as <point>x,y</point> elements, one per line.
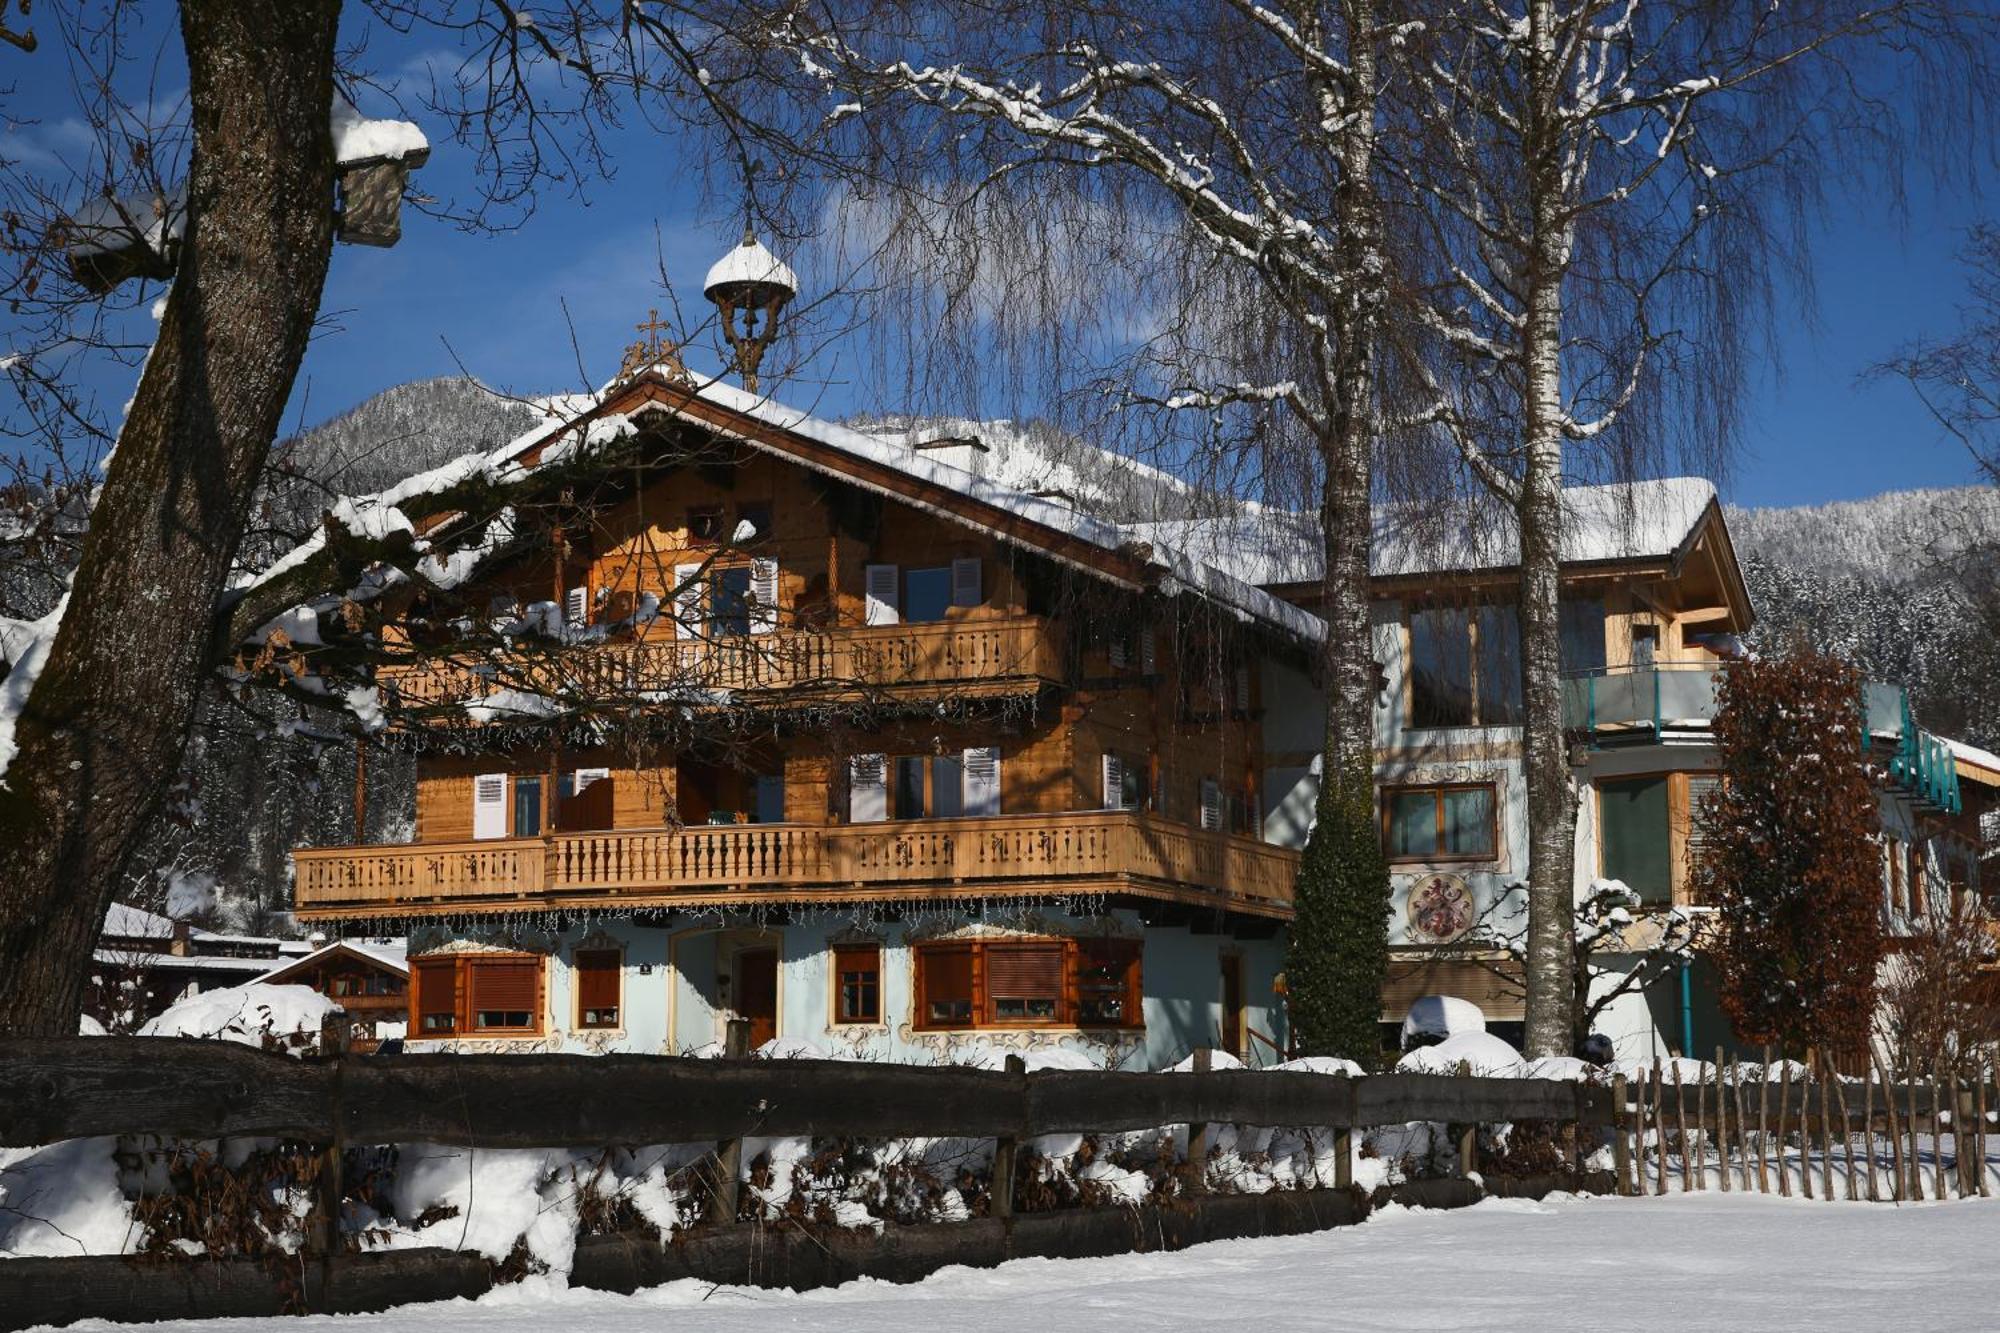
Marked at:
<point>910,787</point>
<point>1582,629</point>
<point>939,786</point>
<point>436,998</point>
<point>598,974</point>
<point>729,601</point>
<point>926,593</point>
<point>1465,667</point>
<point>527,807</point>
<point>1242,812</point>
<point>1635,836</point>
<point>705,524</point>
<point>476,994</point>
<point>1107,983</point>
<point>947,786</point>
<point>1703,790</point>
<point>1446,823</point>
<point>944,985</point>
<point>1125,782</point>
<point>770,798</point>
<point>1022,983</point>
<point>857,979</point>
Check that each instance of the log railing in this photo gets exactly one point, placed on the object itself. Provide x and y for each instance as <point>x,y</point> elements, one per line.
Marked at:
<point>1096,845</point>
<point>1024,649</point>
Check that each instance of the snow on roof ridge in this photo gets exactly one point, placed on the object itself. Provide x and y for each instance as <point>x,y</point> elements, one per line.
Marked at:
<point>392,956</point>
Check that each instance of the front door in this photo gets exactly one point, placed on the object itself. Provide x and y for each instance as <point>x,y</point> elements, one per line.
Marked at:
<point>1232,1004</point>
<point>757,993</point>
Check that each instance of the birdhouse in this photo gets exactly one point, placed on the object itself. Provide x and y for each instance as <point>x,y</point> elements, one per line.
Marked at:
<point>112,239</point>
<point>372,164</point>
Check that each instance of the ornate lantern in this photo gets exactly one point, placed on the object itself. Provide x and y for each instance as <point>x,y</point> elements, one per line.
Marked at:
<point>752,282</point>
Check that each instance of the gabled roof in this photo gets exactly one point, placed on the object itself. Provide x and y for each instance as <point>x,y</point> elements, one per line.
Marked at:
<point>393,955</point>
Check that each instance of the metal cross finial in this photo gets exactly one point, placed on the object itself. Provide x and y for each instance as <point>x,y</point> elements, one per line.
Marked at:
<point>653,326</point>
<point>653,350</point>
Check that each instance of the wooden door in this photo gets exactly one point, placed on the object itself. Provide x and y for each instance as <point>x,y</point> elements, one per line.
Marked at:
<point>1232,1004</point>
<point>757,993</point>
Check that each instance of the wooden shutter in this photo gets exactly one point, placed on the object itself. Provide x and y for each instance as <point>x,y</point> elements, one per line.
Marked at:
<point>1211,804</point>
<point>944,985</point>
<point>966,589</point>
<point>435,992</point>
<point>489,805</point>
<point>687,601</point>
<point>867,789</point>
<point>1243,687</point>
<point>505,986</point>
<point>597,986</point>
<point>1114,782</point>
<point>883,604</point>
<point>982,780</point>
<point>1149,651</point>
<point>763,595</point>
<point>576,607</point>
<point>1024,983</point>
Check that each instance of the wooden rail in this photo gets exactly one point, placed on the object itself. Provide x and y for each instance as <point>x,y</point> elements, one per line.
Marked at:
<point>1034,850</point>
<point>1023,649</point>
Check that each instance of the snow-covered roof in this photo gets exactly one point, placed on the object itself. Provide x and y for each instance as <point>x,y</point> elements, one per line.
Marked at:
<point>1640,520</point>
<point>392,954</point>
<point>1976,757</point>
<point>358,139</point>
<point>248,968</point>
<point>128,922</point>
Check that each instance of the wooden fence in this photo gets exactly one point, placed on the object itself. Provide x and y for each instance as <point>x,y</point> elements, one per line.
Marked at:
<point>1662,1134</point>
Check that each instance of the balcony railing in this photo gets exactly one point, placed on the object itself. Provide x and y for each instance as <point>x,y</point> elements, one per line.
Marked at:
<point>958,653</point>
<point>766,860</point>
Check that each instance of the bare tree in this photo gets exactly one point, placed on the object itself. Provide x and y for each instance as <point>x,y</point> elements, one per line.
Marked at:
<point>1605,186</point>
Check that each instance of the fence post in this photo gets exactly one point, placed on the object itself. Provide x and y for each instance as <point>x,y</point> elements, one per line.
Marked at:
<point>1000,1201</point>
<point>1197,1149</point>
<point>1621,1154</point>
<point>324,1234</point>
<point>729,1152</point>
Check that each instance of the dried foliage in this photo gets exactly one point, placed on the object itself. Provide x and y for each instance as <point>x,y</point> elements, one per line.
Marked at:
<point>1794,868</point>
<point>1940,994</point>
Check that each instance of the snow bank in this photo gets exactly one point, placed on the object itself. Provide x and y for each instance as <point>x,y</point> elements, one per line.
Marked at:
<point>256,1013</point>
<point>63,1199</point>
<point>1483,1052</point>
<point>1441,1016</point>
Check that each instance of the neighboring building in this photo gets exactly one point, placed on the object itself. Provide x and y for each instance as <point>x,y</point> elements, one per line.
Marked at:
<point>143,962</point>
<point>1653,604</point>
<point>942,768</point>
<point>370,979</point>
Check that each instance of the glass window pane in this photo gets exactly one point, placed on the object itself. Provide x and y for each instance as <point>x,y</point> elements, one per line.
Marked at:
<point>1582,623</point>
<point>910,787</point>
<point>1499,667</point>
<point>1440,669</point>
<point>1634,834</point>
<point>1468,821</point>
<point>770,798</point>
<point>1413,823</point>
<point>947,787</point>
<point>527,807</point>
<point>729,603</point>
<point>928,593</point>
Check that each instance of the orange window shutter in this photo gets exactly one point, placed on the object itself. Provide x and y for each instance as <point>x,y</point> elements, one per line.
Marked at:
<point>597,979</point>
<point>506,986</point>
<point>1024,983</point>
<point>435,993</point>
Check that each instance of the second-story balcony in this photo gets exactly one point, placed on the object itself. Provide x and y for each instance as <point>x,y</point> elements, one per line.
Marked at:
<point>1082,851</point>
<point>1017,653</point>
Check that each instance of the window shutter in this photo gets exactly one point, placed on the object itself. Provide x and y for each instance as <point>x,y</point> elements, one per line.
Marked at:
<point>576,607</point>
<point>1149,660</point>
<point>1243,686</point>
<point>965,582</point>
<point>434,998</point>
<point>883,607</point>
<point>763,596</point>
<point>597,978</point>
<point>944,984</point>
<point>687,601</point>
<point>489,805</point>
<point>982,780</point>
<point>1211,804</point>
<point>505,989</point>
<point>867,789</point>
<point>1121,655</point>
<point>1025,983</point>
<point>1114,782</point>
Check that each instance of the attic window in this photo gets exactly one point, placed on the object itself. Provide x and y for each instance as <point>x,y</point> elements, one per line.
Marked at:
<point>705,523</point>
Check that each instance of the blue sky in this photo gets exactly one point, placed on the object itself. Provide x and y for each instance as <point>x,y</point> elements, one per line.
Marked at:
<point>494,304</point>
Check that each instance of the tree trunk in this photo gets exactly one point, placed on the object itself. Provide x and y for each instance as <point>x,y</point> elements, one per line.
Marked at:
<point>1551,795</point>
<point>109,716</point>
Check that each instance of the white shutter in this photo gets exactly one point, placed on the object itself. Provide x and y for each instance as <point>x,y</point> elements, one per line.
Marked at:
<point>1211,803</point>
<point>965,583</point>
<point>489,805</point>
<point>867,789</point>
<point>581,779</point>
<point>883,607</point>
<point>764,596</point>
<point>576,607</point>
<point>687,601</point>
<point>1114,782</point>
<point>981,767</point>
<point>1121,655</point>
<point>1148,651</point>
<point>1243,687</point>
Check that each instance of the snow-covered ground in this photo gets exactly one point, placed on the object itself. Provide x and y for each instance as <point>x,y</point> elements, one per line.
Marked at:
<point>1694,1262</point>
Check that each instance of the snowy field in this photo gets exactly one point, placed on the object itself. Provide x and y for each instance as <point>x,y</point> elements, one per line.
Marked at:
<point>1680,1263</point>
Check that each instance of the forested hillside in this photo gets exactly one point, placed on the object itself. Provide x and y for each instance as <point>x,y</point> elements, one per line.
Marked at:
<point>1884,582</point>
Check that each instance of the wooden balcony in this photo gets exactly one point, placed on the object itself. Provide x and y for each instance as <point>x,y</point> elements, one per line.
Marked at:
<point>964,655</point>
<point>1091,851</point>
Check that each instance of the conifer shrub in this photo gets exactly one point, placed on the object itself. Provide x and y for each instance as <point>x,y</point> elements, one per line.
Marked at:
<point>1792,865</point>
<point>1340,937</point>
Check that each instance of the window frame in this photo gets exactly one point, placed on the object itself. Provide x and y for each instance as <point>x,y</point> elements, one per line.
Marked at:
<point>617,969</point>
<point>1468,615</point>
<point>1074,954</point>
<point>841,956</point>
<point>1442,855</point>
<point>463,967</point>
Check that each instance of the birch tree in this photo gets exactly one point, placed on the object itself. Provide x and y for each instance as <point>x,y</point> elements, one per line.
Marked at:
<point>1221,156</point>
<point>1607,187</point>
